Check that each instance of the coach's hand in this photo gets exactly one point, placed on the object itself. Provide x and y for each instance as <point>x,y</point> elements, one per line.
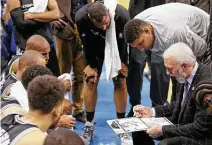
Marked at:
<point>142,111</point>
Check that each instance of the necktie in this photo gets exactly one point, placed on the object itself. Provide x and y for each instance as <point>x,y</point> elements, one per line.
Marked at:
<point>186,87</point>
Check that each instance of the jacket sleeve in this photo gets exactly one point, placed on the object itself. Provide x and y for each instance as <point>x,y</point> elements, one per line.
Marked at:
<point>201,126</point>
<point>17,16</point>
<point>165,110</point>
<point>89,53</point>
<point>195,42</point>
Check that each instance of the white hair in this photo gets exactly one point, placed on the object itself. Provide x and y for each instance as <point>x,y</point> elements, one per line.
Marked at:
<point>181,53</point>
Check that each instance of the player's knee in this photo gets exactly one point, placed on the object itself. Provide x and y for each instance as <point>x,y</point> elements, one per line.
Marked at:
<point>119,82</point>
<point>91,84</point>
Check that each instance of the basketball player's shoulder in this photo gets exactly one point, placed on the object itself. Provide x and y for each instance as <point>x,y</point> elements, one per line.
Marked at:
<point>36,137</point>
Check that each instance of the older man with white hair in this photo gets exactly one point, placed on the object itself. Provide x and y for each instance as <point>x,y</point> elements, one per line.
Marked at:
<point>189,122</point>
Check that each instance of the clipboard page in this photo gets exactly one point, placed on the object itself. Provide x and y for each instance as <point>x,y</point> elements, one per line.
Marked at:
<point>131,124</point>
<point>156,121</point>
<point>115,126</point>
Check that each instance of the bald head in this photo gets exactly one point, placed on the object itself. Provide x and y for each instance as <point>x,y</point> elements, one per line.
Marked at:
<point>40,44</point>
<point>30,58</point>
<point>63,136</point>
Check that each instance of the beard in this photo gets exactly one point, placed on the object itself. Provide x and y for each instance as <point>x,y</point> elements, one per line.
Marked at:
<point>181,77</point>
<point>181,80</point>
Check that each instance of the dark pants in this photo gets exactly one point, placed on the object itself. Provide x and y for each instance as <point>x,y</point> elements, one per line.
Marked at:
<point>135,77</point>
<point>135,81</point>
<point>171,141</point>
<point>142,138</point>
<point>159,81</point>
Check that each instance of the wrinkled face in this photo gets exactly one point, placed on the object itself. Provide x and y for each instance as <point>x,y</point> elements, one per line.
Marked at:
<point>104,24</point>
<point>145,40</point>
<point>175,69</point>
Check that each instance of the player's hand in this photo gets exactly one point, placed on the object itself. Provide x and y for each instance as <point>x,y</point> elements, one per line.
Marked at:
<point>27,16</point>
<point>59,24</point>
<point>66,83</point>
<point>142,111</point>
<point>124,70</point>
<point>66,121</point>
<point>90,74</point>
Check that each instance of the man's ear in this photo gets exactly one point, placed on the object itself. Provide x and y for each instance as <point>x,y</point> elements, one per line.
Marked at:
<point>208,99</point>
<point>58,110</point>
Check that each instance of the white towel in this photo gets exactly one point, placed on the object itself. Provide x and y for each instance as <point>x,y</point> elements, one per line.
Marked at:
<point>112,59</point>
<point>66,76</point>
<point>20,94</point>
<point>39,6</point>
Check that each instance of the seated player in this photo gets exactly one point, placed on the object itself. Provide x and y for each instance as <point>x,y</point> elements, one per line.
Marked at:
<point>46,95</point>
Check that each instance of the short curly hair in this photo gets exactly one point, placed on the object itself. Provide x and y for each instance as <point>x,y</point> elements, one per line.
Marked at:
<point>44,93</point>
<point>96,11</point>
<point>32,72</point>
<point>133,29</point>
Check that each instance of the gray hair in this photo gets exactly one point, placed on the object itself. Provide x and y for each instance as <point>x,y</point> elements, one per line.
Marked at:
<point>181,53</point>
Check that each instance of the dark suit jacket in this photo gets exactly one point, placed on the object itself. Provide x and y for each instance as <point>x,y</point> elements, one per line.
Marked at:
<point>202,4</point>
<point>189,121</point>
<point>137,6</point>
<point>191,141</point>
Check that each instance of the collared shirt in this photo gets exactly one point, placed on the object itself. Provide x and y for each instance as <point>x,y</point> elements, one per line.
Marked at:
<point>189,81</point>
<point>158,49</point>
<point>182,24</point>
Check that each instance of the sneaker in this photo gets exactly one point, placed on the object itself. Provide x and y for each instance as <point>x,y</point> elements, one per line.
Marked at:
<point>125,139</point>
<point>147,74</point>
<point>80,117</point>
<point>88,132</point>
<point>130,113</point>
